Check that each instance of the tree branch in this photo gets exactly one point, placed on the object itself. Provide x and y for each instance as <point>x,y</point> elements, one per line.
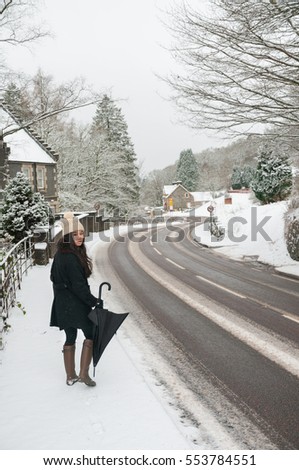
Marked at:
<point>5,6</point>
<point>240,67</point>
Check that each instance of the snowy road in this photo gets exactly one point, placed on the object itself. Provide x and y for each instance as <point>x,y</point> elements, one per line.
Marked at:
<point>233,344</point>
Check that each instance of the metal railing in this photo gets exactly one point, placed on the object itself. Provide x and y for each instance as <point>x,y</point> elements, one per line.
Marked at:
<point>12,269</point>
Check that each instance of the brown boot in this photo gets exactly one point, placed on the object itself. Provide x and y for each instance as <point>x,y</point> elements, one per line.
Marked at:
<point>69,364</point>
<point>86,357</point>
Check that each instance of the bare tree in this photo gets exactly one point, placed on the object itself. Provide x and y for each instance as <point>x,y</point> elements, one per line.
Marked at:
<point>46,101</point>
<point>240,66</point>
<point>19,26</point>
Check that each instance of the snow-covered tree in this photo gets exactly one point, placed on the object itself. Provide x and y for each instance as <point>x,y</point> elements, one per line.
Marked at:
<point>236,181</point>
<point>273,178</point>
<point>18,100</point>
<point>151,191</point>
<point>292,239</point>
<point>101,173</point>
<point>17,23</point>
<point>71,143</point>
<point>248,173</point>
<point>187,170</point>
<point>97,163</point>
<point>23,209</point>
<point>115,157</point>
<point>239,65</point>
<point>242,176</point>
<point>43,104</point>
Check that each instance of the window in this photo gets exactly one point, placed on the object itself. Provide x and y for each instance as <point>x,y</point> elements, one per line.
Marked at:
<point>40,176</point>
<point>27,170</point>
<point>187,195</point>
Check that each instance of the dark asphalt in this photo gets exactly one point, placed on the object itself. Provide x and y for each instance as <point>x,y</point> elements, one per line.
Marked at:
<point>268,393</point>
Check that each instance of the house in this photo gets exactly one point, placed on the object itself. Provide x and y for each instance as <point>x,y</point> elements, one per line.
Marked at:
<point>21,150</point>
<point>177,197</point>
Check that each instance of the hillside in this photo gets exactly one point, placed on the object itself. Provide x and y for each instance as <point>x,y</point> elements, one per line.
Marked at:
<point>215,168</point>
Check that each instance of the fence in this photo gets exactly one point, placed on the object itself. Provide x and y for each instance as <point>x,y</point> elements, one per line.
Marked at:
<point>12,268</point>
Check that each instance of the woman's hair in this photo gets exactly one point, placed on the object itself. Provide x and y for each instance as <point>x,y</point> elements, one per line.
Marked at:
<point>67,245</point>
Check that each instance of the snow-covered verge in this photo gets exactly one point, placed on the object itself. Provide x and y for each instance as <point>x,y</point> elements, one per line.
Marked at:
<point>251,231</point>
<point>125,411</point>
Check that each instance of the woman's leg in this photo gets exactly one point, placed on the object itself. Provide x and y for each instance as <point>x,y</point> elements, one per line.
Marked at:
<point>86,357</point>
<point>71,336</point>
<point>69,355</point>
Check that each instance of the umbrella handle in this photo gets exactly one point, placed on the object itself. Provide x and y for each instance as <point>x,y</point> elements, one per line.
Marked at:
<point>100,289</point>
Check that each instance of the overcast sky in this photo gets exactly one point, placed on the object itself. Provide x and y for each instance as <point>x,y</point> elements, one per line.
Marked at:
<point>118,46</point>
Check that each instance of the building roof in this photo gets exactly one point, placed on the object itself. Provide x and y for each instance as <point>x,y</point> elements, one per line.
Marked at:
<point>202,196</point>
<point>25,145</point>
<point>198,196</point>
<point>170,188</point>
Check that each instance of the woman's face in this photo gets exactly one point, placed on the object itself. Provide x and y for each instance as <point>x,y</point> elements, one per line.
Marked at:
<point>78,237</point>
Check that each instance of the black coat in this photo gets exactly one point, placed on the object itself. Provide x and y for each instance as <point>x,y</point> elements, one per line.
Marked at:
<point>72,297</point>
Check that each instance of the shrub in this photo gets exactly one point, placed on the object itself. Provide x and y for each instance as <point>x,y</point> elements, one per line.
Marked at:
<point>292,239</point>
<point>23,209</point>
<point>273,178</point>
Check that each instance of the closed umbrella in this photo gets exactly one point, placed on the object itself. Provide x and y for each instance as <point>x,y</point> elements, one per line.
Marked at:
<point>105,325</point>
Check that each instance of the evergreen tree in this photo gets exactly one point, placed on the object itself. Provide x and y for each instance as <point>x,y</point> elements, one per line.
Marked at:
<point>100,179</point>
<point>18,101</point>
<point>273,178</point>
<point>119,162</point>
<point>22,209</point>
<point>242,177</point>
<point>292,239</point>
<point>248,173</point>
<point>236,180</point>
<point>187,170</point>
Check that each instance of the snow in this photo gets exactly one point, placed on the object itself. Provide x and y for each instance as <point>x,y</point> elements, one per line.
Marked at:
<point>168,189</point>
<point>40,246</point>
<point>22,147</point>
<point>125,410</point>
<point>252,231</point>
<point>128,409</point>
<point>201,196</point>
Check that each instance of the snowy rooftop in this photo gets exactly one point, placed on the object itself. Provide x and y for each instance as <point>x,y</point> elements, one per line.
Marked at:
<point>23,148</point>
<point>199,196</point>
<point>168,189</point>
<point>202,196</point>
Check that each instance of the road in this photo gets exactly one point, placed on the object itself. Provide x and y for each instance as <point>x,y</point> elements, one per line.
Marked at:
<point>229,329</point>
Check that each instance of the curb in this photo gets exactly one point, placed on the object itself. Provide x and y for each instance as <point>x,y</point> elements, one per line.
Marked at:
<point>285,274</point>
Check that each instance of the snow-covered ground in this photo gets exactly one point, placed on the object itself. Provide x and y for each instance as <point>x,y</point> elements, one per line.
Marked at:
<point>251,231</point>
<point>39,411</point>
<point>127,409</point>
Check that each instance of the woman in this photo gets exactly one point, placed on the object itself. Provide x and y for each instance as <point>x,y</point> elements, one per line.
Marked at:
<point>72,297</point>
